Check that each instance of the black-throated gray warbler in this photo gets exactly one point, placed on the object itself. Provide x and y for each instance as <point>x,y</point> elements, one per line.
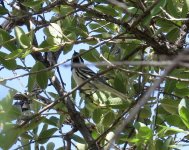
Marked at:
<point>82,73</point>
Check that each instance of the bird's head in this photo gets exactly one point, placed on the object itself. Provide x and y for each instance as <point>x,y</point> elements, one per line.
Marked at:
<point>76,59</point>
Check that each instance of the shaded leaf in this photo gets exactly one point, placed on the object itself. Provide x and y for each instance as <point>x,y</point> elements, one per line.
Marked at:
<point>78,139</point>
<point>9,64</point>
<point>50,146</point>
<point>107,10</point>
<point>45,135</point>
<point>5,40</point>
<point>108,118</point>
<point>158,7</point>
<point>3,11</point>
<point>170,106</point>
<point>42,77</point>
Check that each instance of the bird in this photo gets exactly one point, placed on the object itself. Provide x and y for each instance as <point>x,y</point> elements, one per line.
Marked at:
<point>82,73</point>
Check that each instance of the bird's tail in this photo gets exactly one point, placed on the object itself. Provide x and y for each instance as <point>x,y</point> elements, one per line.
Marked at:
<point>119,94</point>
<point>114,92</point>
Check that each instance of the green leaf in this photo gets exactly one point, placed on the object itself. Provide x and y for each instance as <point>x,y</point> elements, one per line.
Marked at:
<point>45,127</point>
<point>132,10</point>
<point>144,134</point>
<point>167,143</point>
<point>72,36</point>
<point>9,64</point>
<point>107,10</point>
<point>173,35</point>
<point>145,112</point>
<point>119,82</point>
<point>172,8</point>
<point>108,119</point>
<point>67,48</point>
<point>26,136</point>
<point>23,39</point>
<point>97,114</point>
<point>181,85</point>
<point>182,92</point>
<point>170,105</point>
<point>165,25</point>
<point>12,114</point>
<point>78,139</point>
<point>42,77</point>
<point>44,136</point>
<point>6,102</point>
<point>9,137</point>
<point>8,112</point>
<point>25,139</point>
<point>184,112</point>
<point>146,21</point>
<point>56,32</point>
<point>82,31</point>
<point>97,27</point>
<point>174,120</point>
<point>32,3</point>
<point>3,10</point>
<point>170,86</point>
<point>93,56</point>
<point>64,9</point>
<point>163,132</point>
<point>50,146</point>
<point>52,121</point>
<point>187,3</point>
<point>185,9</point>
<point>5,40</point>
<point>158,7</point>
<point>32,78</point>
<point>14,54</point>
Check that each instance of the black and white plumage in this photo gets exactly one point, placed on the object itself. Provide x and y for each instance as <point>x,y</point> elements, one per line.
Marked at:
<point>81,74</point>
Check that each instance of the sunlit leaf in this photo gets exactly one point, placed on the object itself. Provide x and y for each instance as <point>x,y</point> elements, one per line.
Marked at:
<point>23,39</point>
<point>184,112</point>
<point>187,3</point>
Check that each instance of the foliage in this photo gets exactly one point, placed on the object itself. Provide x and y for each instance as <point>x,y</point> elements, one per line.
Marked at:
<point>126,34</point>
